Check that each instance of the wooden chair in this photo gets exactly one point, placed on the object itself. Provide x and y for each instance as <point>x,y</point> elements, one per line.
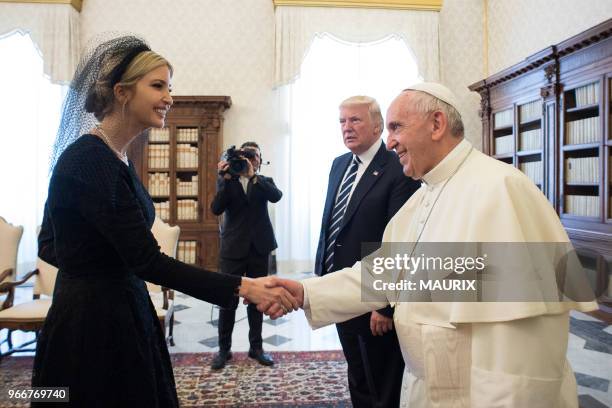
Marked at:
<point>163,298</point>
<point>28,316</point>
<point>10,236</point>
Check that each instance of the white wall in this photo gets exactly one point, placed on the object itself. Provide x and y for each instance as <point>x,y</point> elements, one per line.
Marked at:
<point>461,58</point>
<point>519,28</point>
<point>217,47</point>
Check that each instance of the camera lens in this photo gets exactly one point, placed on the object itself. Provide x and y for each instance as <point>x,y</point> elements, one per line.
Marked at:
<point>238,166</point>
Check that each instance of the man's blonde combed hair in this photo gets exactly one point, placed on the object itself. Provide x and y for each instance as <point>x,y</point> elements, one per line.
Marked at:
<point>373,108</point>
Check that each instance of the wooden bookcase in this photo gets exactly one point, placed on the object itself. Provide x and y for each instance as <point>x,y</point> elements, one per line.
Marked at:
<point>178,166</point>
<point>551,116</point>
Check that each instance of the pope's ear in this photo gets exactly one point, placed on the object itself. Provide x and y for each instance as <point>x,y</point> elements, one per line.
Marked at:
<point>440,123</point>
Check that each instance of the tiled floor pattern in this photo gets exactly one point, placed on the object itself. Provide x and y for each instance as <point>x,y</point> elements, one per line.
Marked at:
<point>589,350</point>
<point>590,354</point>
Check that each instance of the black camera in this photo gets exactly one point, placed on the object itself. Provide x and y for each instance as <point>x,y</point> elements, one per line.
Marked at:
<point>237,160</point>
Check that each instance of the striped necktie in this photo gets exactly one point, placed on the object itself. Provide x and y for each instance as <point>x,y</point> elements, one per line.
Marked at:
<point>335,222</point>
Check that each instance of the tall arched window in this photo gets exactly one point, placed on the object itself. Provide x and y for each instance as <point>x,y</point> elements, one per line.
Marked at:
<point>30,106</point>
<point>332,71</point>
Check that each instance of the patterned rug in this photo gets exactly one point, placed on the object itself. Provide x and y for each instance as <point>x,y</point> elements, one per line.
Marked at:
<point>298,379</point>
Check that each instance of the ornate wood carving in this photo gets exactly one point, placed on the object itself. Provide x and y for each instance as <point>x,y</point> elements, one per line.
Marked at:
<point>552,87</point>
<point>485,105</point>
<point>434,5</point>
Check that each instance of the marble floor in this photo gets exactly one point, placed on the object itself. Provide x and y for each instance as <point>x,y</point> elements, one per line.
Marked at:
<point>589,350</point>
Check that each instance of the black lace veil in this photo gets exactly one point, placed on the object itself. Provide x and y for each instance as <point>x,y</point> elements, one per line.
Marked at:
<point>104,61</point>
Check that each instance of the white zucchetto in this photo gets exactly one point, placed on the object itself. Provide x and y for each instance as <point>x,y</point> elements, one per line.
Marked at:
<point>437,90</point>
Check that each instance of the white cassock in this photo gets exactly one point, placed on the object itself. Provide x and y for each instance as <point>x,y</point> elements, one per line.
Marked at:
<point>469,355</point>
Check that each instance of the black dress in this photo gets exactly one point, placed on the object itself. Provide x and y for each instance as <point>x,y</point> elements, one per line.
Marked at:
<point>101,337</point>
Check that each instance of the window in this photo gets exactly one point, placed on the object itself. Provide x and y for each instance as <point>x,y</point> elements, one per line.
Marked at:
<point>332,71</point>
<point>31,107</point>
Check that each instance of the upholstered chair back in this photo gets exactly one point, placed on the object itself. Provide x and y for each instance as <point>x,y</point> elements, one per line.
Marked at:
<point>45,280</point>
<point>10,236</point>
<point>167,238</point>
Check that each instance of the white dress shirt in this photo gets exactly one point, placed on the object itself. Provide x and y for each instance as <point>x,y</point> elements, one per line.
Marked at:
<point>366,158</point>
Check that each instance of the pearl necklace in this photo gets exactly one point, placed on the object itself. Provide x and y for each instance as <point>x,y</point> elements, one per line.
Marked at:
<point>122,156</point>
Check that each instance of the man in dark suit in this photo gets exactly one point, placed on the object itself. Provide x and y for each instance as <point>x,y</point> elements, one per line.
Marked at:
<point>247,238</point>
<point>366,188</point>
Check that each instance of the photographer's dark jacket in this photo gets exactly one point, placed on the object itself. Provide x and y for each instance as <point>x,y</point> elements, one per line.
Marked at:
<point>245,215</point>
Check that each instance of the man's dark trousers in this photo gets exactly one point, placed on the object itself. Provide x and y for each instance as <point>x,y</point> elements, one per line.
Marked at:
<point>252,266</point>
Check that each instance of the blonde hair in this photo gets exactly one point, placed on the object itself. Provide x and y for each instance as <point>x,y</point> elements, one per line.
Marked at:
<point>103,95</point>
<point>373,108</point>
<point>141,65</point>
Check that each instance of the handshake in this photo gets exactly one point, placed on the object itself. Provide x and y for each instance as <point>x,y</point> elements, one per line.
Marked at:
<point>273,296</point>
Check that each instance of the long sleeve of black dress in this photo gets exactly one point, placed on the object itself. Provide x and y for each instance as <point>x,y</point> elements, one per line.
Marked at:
<point>91,186</point>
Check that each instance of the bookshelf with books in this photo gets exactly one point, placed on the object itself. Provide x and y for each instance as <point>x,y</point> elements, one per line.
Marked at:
<point>581,150</point>
<point>560,101</point>
<point>530,140</point>
<point>178,165</point>
<point>503,135</point>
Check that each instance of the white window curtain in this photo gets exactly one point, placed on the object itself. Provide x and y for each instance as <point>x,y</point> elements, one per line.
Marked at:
<point>297,27</point>
<point>31,108</point>
<point>54,28</point>
<point>332,71</point>
<point>312,76</point>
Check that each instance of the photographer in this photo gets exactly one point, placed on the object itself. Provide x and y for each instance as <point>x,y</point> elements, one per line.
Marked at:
<point>247,238</point>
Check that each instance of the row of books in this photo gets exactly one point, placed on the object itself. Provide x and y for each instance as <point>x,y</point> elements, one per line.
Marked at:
<point>533,170</point>
<point>159,135</point>
<point>586,206</point>
<point>159,156</point>
<point>530,111</point>
<point>187,210</point>
<point>586,95</point>
<point>504,118</point>
<point>182,135</point>
<point>531,139</point>
<point>162,210</point>
<point>187,187</point>
<point>186,156</point>
<point>159,184</point>
<point>187,135</point>
<point>582,131</point>
<point>504,144</point>
<point>582,170</point>
<point>187,251</point>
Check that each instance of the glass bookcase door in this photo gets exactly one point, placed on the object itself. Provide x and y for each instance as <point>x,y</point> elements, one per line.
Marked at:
<point>582,139</point>
<point>158,171</point>
<point>530,141</point>
<point>187,174</point>
<point>608,152</point>
<point>503,135</point>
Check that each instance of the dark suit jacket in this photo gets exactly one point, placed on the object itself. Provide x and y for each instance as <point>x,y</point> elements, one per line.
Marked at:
<point>380,193</point>
<point>246,220</point>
